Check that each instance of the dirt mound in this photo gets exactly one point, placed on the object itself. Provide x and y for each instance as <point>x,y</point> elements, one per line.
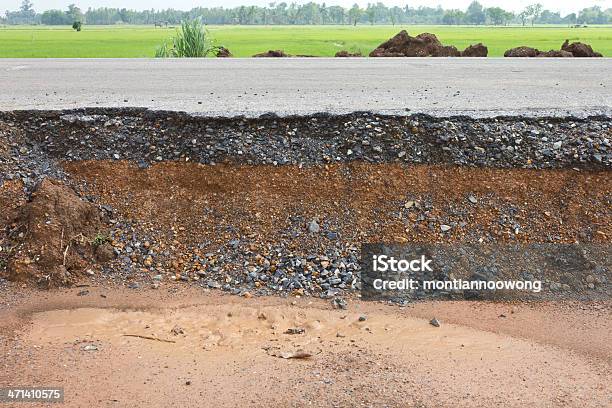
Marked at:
<point>447,51</point>
<point>522,52</point>
<point>223,52</point>
<point>555,54</point>
<point>272,54</point>
<point>477,50</point>
<point>528,52</point>
<point>346,54</point>
<point>55,236</point>
<point>578,49</point>
<point>423,45</point>
<point>403,45</point>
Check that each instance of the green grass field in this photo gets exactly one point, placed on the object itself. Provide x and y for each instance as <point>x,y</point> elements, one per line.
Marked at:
<point>244,41</point>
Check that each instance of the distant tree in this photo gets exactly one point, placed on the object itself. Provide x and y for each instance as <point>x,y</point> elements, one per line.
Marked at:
<point>55,17</point>
<point>74,13</point>
<point>77,26</point>
<point>497,15</point>
<point>252,14</point>
<point>453,17</point>
<point>570,19</point>
<point>475,13</point>
<point>355,14</point>
<point>324,12</point>
<point>534,11</point>
<point>310,12</point>
<point>548,17</point>
<point>392,16</point>
<point>371,13</point>
<point>593,15</point>
<point>27,7</point>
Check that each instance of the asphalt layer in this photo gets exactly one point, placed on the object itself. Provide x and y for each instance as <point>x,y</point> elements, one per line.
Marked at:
<point>298,86</point>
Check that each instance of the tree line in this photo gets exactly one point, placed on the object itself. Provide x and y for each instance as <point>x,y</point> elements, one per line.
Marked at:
<point>309,14</point>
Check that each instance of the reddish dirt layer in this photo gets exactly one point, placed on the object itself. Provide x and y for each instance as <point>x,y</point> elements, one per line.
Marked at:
<point>362,202</point>
<point>540,355</point>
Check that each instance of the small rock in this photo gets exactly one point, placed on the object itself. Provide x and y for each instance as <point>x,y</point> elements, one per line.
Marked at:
<point>148,261</point>
<point>332,235</point>
<point>472,199</point>
<point>295,330</point>
<point>339,303</point>
<point>363,318</point>
<point>434,322</point>
<point>445,228</point>
<point>313,227</point>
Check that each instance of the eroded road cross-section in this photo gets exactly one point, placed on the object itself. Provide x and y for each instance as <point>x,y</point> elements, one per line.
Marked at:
<point>435,246</point>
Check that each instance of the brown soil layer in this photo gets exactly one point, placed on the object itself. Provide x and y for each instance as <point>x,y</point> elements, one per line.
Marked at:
<point>244,227</point>
<point>223,351</point>
<point>362,202</point>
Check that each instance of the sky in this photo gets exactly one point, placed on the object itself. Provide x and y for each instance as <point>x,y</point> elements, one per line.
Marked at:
<point>563,6</point>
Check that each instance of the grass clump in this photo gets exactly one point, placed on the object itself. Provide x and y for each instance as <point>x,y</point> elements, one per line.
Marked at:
<point>99,239</point>
<point>192,40</point>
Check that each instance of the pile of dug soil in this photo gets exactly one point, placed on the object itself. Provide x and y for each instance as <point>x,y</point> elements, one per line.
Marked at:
<point>54,237</point>
<point>576,49</point>
<point>272,54</point>
<point>579,49</point>
<point>423,45</point>
<point>223,52</point>
<point>476,50</point>
<point>346,54</point>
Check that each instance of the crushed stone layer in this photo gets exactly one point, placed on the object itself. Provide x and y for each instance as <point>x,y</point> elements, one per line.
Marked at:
<point>226,349</point>
<point>35,141</point>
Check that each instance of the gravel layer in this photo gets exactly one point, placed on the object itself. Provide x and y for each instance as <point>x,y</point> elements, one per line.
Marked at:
<point>36,139</point>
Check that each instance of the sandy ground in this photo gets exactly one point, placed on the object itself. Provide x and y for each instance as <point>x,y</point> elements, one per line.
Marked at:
<point>228,354</point>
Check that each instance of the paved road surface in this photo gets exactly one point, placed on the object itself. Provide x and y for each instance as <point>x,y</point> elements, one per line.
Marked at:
<point>227,87</point>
